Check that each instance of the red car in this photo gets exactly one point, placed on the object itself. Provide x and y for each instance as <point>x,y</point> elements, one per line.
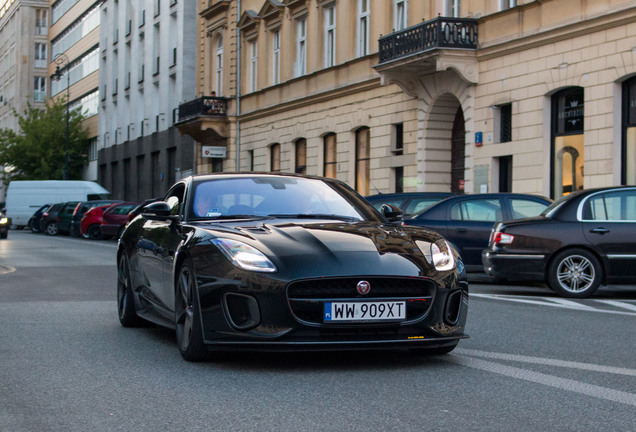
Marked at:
<point>91,224</point>
<point>115,218</point>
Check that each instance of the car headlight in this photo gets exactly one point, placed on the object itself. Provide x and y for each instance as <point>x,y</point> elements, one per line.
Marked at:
<point>4,220</point>
<point>439,254</point>
<point>244,256</point>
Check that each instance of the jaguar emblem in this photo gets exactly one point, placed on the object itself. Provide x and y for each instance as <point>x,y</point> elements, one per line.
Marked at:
<point>363,287</point>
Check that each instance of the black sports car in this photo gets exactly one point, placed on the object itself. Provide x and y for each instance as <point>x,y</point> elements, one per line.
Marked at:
<point>286,262</point>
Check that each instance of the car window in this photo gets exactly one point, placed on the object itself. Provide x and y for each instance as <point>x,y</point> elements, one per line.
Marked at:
<point>522,208</point>
<point>419,204</point>
<point>477,210</point>
<point>611,206</point>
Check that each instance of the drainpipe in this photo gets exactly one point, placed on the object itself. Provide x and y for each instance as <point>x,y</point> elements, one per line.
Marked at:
<point>238,87</point>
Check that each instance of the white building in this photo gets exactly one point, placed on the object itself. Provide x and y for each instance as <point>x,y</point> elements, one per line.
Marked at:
<point>147,68</point>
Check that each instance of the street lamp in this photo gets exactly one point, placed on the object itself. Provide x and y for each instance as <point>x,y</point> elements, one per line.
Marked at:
<point>62,60</point>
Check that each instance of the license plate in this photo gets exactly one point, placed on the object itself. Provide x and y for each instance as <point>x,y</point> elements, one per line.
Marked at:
<point>365,311</point>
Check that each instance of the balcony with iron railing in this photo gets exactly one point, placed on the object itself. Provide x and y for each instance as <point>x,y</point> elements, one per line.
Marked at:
<point>440,32</point>
<point>431,46</point>
<point>205,113</point>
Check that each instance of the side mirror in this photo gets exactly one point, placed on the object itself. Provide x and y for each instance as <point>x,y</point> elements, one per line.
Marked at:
<point>157,211</point>
<point>391,213</point>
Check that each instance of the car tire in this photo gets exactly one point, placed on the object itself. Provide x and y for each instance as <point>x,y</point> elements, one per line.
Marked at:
<point>188,315</point>
<point>4,235</point>
<point>125,299</point>
<point>51,229</point>
<point>94,232</point>
<point>434,351</point>
<point>575,273</point>
<point>33,227</point>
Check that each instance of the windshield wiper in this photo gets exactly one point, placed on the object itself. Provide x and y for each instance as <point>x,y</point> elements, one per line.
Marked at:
<point>238,216</point>
<point>313,216</point>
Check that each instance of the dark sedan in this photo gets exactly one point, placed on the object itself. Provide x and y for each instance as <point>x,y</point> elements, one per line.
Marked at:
<point>467,220</point>
<point>286,262</point>
<point>409,202</point>
<point>581,241</point>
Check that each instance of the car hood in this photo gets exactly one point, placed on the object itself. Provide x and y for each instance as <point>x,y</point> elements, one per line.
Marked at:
<point>334,248</point>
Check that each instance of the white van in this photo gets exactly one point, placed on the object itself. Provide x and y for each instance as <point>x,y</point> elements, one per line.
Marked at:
<point>24,197</point>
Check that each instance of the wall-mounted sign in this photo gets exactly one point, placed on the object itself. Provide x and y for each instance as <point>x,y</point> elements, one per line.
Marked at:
<point>479,139</point>
<point>214,152</point>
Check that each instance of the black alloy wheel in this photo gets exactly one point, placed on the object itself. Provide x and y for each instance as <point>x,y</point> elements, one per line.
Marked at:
<point>95,232</point>
<point>575,273</point>
<point>125,301</point>
<point>51,228</point>
<point>188,315</point>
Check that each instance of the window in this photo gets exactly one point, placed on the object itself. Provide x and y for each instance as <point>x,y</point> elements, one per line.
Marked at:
<point>92,149</point>
<point>477,210</point>
<point>40,55</point>
<point>451,8</point>
<point>330,155</point>
<point>276,57</point>
<point>522,208</point>
<point>362,47</point>
<point>39,89</point>
<point>275,158</point>
<point>611,206</point>
<point>219,66</point>
<point>398,139</point>
<point>567,144</point>
<point>301,156</point>
<point>363,161</point>
<point>628,153</point>
<point>253,66</point>
<point>507,4</point>
<point>301,47</point>
<point>503,123</point>
<point>330,36</point>
<point>41,24</point>
<point>400,14</point>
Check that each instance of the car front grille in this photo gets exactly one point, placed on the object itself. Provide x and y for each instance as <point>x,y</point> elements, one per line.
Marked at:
<point>307,297</point>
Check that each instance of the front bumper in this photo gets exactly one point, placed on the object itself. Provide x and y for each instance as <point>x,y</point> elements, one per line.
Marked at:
<point>513,266</point>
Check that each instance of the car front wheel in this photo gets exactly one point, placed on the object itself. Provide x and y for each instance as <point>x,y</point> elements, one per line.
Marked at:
<point>125,301</point>
<point>51,228</point>
<point>94,232</point>
<point>575,273</point>
<point>188,315</point>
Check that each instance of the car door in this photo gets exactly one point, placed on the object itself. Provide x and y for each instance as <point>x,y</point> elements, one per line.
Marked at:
<point>470,221</point>
<point>609,224</point>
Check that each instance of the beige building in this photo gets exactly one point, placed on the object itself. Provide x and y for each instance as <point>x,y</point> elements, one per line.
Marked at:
<point>23,61</point>
<point>391,95</point>
<point>74,54</point>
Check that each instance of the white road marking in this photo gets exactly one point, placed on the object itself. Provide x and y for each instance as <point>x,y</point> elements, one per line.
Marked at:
<point>618,304</point>
<point>560,303</point>
<point>548,362</point>
<point>545,379</point>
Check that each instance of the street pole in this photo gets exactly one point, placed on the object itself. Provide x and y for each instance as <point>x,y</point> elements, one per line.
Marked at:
<point>61,59</point>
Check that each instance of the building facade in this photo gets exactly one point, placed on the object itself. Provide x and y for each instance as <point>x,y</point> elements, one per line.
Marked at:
<point>24,52</point>
<point>73,66</point>
<point>440,95</point>
<point>147,68</point>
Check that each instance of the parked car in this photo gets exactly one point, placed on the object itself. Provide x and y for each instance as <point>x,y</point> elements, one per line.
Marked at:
<point>115,218</point>
<point>409,202</point>
<point>64,217</point>
<point>48,220</point>
<point>34,221</point>
<point>91,223</point>
<point>79,212</point>
<point>4,224</point>
<point>467,220</point>
<point>583,240</point>
<point>280,262</point>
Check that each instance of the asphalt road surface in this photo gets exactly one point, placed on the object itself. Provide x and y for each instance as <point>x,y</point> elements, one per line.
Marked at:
<point>534,362</point>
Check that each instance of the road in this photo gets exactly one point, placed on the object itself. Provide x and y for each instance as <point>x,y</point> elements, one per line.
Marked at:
<point>534,362</point>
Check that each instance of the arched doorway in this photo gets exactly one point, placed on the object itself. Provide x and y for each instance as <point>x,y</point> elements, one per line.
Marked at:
<point>458,152</point>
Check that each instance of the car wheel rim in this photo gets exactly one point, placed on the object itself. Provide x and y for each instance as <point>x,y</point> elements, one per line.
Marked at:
<point>576,273</point>
<point>185,310</point>
<point>123,288</point>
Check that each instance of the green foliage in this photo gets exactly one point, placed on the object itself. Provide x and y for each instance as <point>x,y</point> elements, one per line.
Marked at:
<point>38,150</point>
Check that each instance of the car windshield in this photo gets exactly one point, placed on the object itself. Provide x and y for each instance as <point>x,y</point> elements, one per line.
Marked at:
<point>281,197</point>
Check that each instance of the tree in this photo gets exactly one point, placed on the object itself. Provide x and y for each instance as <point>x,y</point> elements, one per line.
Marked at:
<point>38,150</point>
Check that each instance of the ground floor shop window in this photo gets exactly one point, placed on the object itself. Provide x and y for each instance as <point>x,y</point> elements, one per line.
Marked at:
<point>629,133</point>
<point>363,161</point>
<point>567,141</point>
